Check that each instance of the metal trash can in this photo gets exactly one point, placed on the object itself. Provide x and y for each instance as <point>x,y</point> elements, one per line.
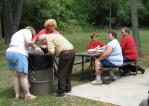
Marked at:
<point>40,74</point>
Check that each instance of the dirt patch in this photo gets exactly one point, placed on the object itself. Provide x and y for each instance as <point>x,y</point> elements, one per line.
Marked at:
<point>4,44</point>
<point>2,51</point>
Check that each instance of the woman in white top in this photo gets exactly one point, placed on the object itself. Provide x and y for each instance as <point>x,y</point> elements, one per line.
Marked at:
<point>111,57</point>
<point>17,59</point>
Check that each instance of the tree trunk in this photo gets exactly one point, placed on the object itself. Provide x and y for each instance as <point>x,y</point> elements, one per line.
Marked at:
<point>11,22</point>
<point>0,28</point>
<point>110,15</point>
<point>135,26</point>
<point>17,16</point>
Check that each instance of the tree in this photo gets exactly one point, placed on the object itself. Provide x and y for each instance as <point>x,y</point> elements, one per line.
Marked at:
<point>0,28</point>
<point>135,26</point>
<point>36,12</point>
<point>0,22</point>
<point>110,15</point>
<point>11,17</point>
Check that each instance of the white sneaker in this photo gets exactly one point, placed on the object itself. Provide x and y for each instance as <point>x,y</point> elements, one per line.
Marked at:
<point>132,73</point>
<point>96,82</point>
<point>113,78</point>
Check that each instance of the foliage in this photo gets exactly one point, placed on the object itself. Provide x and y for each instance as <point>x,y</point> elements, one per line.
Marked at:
<point>36,12</point>
<point>143,13</point>
<point>73,15</point>
<point>124,12</point>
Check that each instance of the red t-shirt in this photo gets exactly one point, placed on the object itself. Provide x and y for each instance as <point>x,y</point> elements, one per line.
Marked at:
<point>129,48</point>
<point>44,31</point>
<point>90,45</point>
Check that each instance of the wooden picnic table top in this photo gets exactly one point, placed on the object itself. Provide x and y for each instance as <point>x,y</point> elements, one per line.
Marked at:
<point>90,54</point>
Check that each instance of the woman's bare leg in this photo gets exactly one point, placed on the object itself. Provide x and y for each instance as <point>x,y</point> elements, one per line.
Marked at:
<point>24,83</point>
<point>97,67</point>
<point>16,83</point>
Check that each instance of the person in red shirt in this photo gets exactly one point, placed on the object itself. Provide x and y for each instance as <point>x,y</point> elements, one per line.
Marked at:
<point>94,44</point>
<point>129,52</point>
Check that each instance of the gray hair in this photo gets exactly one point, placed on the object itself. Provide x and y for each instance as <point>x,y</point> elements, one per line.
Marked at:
<point>113,33</point>
<point>42,37</point>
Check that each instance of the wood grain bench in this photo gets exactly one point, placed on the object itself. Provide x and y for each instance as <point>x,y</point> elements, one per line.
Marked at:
<point>106,70</point>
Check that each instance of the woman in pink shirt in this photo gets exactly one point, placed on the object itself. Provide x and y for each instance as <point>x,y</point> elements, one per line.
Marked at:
<point>50,26</point>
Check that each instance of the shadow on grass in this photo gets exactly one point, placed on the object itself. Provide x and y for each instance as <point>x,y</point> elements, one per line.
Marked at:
<point>6,97</point>
<point>7,93</point>
<point>80,77</point>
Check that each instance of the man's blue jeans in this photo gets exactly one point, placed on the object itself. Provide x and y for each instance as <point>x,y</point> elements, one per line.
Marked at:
<point>125,59</point>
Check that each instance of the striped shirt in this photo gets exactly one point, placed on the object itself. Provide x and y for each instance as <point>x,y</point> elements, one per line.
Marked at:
<point>57,43</point>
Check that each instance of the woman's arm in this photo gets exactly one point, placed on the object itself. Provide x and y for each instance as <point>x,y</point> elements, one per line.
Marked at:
<point>29,42</point>
<point>106,53</point>
<point>101,48</point>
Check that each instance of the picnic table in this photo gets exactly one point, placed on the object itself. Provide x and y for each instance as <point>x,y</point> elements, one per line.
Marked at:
<point>104,69</point>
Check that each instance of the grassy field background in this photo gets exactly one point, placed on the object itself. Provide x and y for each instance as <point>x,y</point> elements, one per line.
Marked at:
<point>79,41</point>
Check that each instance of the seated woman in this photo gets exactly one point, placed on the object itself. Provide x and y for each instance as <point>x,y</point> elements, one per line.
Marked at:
<point>111,57</point>
<point>94,44</point>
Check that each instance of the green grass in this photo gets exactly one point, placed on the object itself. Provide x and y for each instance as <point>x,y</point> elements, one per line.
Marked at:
<point>79,41</point>
<point>2,45</point>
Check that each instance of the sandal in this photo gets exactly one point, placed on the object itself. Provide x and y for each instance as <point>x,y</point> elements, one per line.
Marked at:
<point>21,96</point>
<point>30,97</point>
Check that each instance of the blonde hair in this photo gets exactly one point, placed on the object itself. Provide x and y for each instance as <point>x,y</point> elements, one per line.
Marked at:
<point>50,22</point>
<point>94,35</point>
<point>32,30</point>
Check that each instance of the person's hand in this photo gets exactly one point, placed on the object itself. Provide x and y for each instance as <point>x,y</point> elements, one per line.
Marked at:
<point>34,46</point>
<point>96,51</point>
<point>44,46</point>
<point>96,60</point>
<point>49,53</point>
<point>97,47</point>
<point>99,50</point>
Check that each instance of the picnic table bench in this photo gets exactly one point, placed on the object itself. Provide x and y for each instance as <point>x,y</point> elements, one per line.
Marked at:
<point>106,70</point>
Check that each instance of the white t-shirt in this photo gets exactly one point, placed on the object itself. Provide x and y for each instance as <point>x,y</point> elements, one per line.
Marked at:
<point>17,42</point>
<point>116,55</point>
